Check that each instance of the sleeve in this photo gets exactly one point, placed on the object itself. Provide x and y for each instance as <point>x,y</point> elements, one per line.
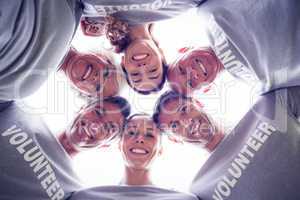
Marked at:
<point>290,98</point>
<point>294,101</point>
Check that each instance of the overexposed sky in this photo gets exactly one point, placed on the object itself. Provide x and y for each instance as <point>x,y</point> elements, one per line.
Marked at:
<point>227,101</point>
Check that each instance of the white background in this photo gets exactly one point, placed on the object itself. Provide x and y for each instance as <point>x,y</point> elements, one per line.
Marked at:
<point>226,102</point>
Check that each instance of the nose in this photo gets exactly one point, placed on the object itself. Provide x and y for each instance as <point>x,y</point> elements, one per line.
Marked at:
<point>194,73</point>
<point>142,64</point>
<point>186,122</point>
<point>139,139</point>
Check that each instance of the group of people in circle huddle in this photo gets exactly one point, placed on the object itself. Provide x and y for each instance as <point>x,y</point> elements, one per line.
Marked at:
<point>257,41</point>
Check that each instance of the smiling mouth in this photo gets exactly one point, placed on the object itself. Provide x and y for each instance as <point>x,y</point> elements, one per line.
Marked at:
<point>200,65</point>
<point>140,56</point>
<point>90,135</point>
<point>87,72</point>
<point>139,151</point>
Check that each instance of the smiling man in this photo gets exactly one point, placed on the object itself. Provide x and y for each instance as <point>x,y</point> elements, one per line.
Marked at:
<point>193,69</point>
<point>259,159</point>
<point>143,61</point>
<point>91,74</point>
<point>184,117</point>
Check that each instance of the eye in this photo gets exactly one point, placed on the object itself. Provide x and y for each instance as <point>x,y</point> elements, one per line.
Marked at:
<point>99,113</point>
<point>135,74</point>
<point>197,60</point>
<point>182,71</point>
<point>184,109</point>
<point>149,135</point>
<point>131,133</point>
<point>106,72</point>
<point>111,127</point>
<point>174,125</point>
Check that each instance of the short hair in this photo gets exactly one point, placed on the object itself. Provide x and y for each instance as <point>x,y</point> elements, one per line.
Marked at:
<point>122,103</point>
<point>158,88</point>
<point>162,100</point>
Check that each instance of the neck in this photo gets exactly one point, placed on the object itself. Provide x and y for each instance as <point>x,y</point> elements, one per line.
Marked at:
<point>137,176</point>
<point>139,32</point>
<point>215,141</point>
<point>66,144</point>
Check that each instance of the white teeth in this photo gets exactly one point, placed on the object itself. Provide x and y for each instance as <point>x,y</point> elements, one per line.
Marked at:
<point>140,56</point>
<point>87,73</point>
<point>139,151</point>
<point>203,69</point>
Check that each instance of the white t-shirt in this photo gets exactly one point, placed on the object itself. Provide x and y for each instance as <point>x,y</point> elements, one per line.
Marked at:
<point>257,41</point>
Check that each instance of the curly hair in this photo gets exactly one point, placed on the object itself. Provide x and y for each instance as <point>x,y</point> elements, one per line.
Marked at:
<point>117,32</point>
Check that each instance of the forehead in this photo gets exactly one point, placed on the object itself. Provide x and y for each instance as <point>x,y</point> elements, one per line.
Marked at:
<point>79,58</point>
<point>196,53</point>
<point>141,122</point>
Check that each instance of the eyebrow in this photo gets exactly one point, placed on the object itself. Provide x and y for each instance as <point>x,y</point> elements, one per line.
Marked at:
<point>131,126</point>
<point>135,73</point>
<point>137,81</point>
<point>153,70</point>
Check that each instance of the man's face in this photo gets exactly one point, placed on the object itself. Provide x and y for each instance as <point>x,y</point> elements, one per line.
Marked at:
<point>96,125</point>
<point>92,27</point>
<point>140,143</point>
<point>93,75</point>
<point>186,120</point>
<point>193,70</point>
<point>143,64</point>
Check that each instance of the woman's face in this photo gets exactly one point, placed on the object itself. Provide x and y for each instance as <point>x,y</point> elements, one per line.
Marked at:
<point>93,75</point>
<point>140,142</point>
<point>96,125</point>
<point>186,120</point>
<point>92,26</point>
<point>143,62</point>
<point>193,70</point>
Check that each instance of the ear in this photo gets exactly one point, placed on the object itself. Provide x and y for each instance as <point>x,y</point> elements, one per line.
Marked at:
<point>123,61</point>
<point>161,150</point>
<point>71,53</point>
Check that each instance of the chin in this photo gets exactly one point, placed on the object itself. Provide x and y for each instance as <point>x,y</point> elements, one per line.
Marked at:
<point>138,165</point>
